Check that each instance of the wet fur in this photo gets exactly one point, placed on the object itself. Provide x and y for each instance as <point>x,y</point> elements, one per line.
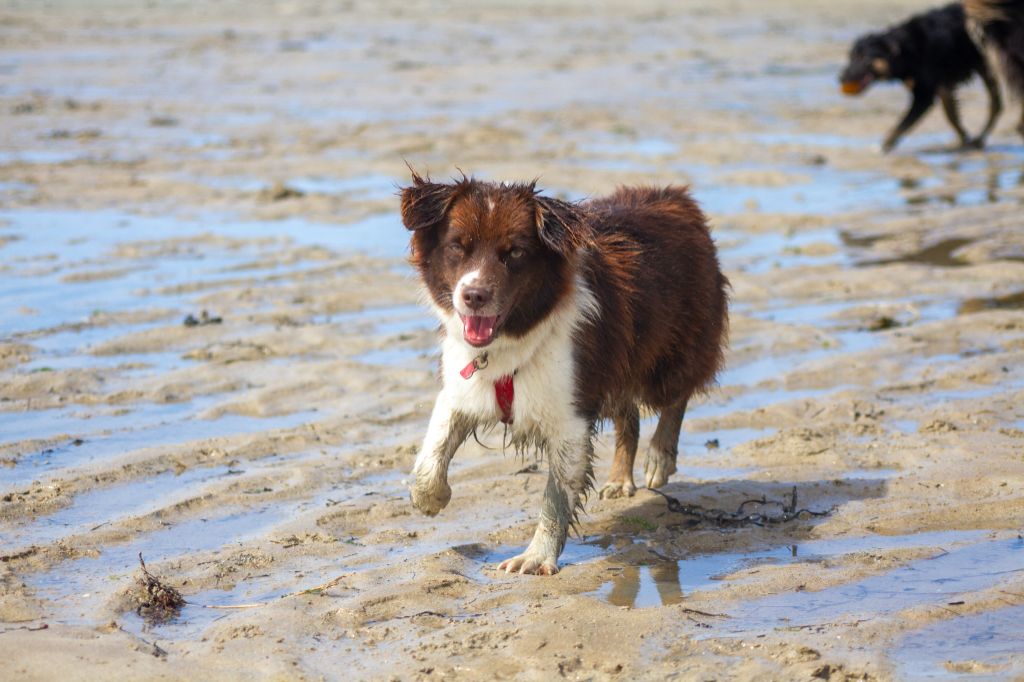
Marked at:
<point>614,304</point>
<point>997,27</point>
<point>932,55</point>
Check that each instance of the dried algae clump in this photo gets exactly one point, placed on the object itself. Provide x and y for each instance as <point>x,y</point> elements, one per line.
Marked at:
<point>158,602</point>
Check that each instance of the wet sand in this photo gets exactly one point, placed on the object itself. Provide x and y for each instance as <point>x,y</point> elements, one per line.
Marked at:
<point>161,162</point>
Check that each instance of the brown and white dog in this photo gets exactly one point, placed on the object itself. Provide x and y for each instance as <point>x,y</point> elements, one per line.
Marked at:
<point>555,316</point>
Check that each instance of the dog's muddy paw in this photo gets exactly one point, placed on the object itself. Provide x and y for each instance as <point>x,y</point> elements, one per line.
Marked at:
<point>614,489</point>
<point>658,466</point>
<point>430,500</point>
<point>529,563</point>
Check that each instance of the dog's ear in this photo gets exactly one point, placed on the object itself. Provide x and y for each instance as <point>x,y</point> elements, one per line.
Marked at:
<point>425,203</point>
<point>560,225</point>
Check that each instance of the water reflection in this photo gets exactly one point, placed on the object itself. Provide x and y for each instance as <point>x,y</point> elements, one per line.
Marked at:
<point>642,586</point>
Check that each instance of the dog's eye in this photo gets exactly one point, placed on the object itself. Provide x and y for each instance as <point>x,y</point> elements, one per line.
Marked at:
<point>515,253</point>
<point>456,249</point>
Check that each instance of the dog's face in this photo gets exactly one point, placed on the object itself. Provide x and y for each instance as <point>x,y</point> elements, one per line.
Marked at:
<point>496,258</point>
<point>871,59</point>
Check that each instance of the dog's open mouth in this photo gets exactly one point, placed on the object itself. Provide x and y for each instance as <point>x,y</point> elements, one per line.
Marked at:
<point>857,87</point>
<point>478,330</point>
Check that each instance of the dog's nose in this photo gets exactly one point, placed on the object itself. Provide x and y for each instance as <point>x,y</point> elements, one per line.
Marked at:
<point>476,297</point>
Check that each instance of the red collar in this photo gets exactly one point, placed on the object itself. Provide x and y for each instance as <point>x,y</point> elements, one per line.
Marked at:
<point>504,387</point>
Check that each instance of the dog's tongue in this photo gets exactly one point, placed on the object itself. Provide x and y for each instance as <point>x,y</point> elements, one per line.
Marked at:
<point>478,330</point>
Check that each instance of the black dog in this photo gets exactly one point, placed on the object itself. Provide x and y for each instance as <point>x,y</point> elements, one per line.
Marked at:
<point>997,26</point>
<point>932,54</point>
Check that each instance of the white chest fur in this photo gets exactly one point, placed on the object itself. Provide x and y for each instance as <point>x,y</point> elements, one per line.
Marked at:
<point>543,366</point>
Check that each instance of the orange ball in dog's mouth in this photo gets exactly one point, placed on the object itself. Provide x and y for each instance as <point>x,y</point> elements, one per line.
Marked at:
<point>856,87</point>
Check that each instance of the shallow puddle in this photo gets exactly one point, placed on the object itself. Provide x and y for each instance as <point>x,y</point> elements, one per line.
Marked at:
<point>759,252</point>
<point>826,191</point>
<point>986,646</point>
<point>54,315</point>
<point>97,508</point>
<point>941,254</point>
<point>134,364</point>
<point>396,319</point>
<point>368,187</point>
<point>667,582</point>
<point>627,146</point>
<point>145,426</point>
<point>398,357</point>
<point>664,581</point>
<point>756,398</point>
<point>965,568</point>
<point>124,500</point>
<point>723,440</point>
<point>643,586</point>
<point>870,474</point>
<point>830,315</point>
<point>810,140</point>
<point>88,421</point>
<point>969,179</point>
<point>204,608</point>
<point>49,246</point>
<point>713,473</point>
<point>1014,301</point>
<point>930,397</point>
<point>77,588</point>
<point>768,367</point>
<point>904,426</point>
<point>41,157</point>
<point>843,337</point>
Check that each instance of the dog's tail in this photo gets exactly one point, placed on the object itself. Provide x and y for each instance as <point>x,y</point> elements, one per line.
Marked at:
<point>992,11</point>
<point>997,26</point>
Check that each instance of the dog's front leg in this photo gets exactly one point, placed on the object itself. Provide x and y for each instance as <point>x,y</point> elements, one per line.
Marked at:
<point>446,432</point>
<point>570,475</point>
<point>923,98</point>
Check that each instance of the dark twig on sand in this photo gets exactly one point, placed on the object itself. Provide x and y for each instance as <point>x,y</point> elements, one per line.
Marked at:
<point>743,517</point>
<point>698,612</point>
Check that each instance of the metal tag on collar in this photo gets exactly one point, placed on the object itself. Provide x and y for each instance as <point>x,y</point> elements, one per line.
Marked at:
<point>475,365</point>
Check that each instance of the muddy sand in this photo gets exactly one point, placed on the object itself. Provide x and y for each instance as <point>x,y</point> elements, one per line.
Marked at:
<point>163,160</point>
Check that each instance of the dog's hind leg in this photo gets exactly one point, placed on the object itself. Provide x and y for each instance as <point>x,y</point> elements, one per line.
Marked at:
<point>570,476</point>
<point>661,457</point>
<point>952,111</point>
<point>995,107</point>
<point>627,435</point>
<point>924,97</point>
